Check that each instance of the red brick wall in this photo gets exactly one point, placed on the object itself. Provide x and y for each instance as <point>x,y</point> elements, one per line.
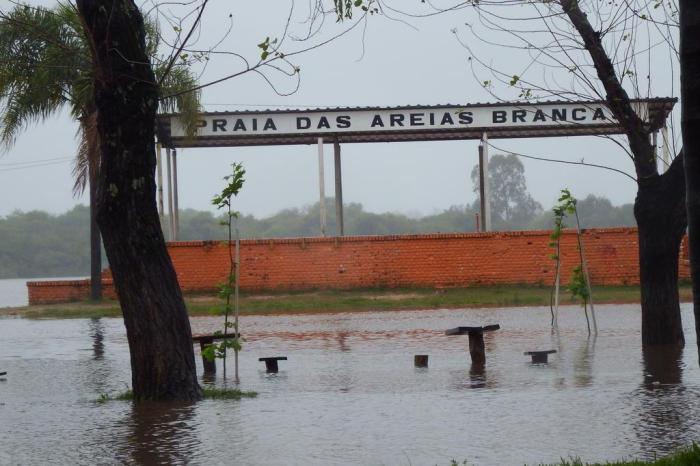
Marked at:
<point>435,260</point>
<point>63,291</point>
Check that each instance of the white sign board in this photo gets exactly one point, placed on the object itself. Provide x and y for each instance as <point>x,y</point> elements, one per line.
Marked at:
<point>398,120</point>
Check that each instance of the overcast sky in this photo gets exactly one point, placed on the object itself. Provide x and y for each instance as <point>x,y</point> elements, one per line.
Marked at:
<point>395,64</point>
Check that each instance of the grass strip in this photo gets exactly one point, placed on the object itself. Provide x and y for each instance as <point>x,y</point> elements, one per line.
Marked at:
<point>351,301</point>
<point>208,393</point>
<point>688,456</point>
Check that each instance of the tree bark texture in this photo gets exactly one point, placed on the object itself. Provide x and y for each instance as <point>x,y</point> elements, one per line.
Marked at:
<point>659,205</point>
<point>157,326</point>
<point>690,128</point>
<point>659,209</point>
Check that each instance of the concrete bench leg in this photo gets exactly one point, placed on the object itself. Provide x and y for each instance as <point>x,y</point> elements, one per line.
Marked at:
<point>476,348</point>
<point>271,366</point>
<point>209,366</point>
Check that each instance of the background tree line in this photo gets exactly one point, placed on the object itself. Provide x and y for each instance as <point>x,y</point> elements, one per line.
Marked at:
<point>38,244</point>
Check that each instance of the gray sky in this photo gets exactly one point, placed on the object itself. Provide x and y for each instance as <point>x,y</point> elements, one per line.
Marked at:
<point>396,65</point>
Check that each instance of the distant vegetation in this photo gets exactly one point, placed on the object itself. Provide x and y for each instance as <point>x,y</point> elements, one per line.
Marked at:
<point>38,244</point>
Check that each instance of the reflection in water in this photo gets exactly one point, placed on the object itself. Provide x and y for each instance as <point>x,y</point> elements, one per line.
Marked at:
<point>662,367</point>
<point>160,433</point>
<point>341,338</point>
<point>208,378</point>
<point>662,404</point>
<point>475,377</point>
<point>97,370</point>
<point>350,394</point>
<point>583,362</point>
<point>97,334</point>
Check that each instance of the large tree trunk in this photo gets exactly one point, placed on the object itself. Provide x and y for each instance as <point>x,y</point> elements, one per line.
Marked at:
<point>158,329</point>
<point>660,212</point>
<point>658,207</point>
<point>690,127</point>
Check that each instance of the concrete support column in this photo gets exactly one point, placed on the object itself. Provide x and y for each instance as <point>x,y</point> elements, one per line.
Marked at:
<point>159,178</point>
<point>484,183</point>
<point>176,208</point>
<point>171,222</point>
<point>338,190</point>
<point>321,187</point>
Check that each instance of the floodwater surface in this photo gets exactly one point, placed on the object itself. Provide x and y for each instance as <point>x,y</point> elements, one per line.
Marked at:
<point>13,292</point>
<point>349,394</point>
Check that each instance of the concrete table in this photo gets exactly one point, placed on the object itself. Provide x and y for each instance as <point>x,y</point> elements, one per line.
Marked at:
<point>476,340</point>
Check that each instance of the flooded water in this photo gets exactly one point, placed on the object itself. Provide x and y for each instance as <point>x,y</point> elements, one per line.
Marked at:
<point>13,292</point>
<point>349,393</point>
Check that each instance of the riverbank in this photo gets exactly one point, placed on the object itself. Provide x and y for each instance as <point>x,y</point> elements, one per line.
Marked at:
<point>350,301</point>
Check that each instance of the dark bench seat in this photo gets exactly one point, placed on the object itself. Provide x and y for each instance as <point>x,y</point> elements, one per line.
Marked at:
<point>539,357</point>
<point>271,363</point>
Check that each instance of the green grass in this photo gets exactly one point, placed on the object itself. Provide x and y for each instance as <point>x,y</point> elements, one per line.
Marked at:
<point>123,396</point>
<point>688,456</point>
<point>351,300</point>
<point>208,393</point>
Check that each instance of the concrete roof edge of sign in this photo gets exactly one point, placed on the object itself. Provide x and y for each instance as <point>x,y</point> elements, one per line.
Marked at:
<point>652,100</point>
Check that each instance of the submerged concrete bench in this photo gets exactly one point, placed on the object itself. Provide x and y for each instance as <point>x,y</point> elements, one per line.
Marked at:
<point>271,363</point>
<point>539,357</point>
<point>206,339</point>
<point>420,360</point>
<point>476,341</point>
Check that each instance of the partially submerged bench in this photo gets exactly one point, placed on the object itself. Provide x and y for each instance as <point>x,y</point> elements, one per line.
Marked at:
<point>206,339</point>
<point>476,341</point>
<point>539,357</point>
<point>271,363</point>
<point>420,360</point>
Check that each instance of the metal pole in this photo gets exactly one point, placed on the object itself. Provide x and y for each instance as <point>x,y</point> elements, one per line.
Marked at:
<point>176,213</point>
<point>236,308</point>
<point>487,189</point>
<point>321,187</point>
<point>482,188</point>
<point>555,317</point>
<point>159,173</point>
<point>171,227</point>
<point>338,190</point>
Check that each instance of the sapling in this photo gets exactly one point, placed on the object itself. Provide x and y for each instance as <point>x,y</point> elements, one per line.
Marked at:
<point>579,284</point>
<point>234,183</point>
